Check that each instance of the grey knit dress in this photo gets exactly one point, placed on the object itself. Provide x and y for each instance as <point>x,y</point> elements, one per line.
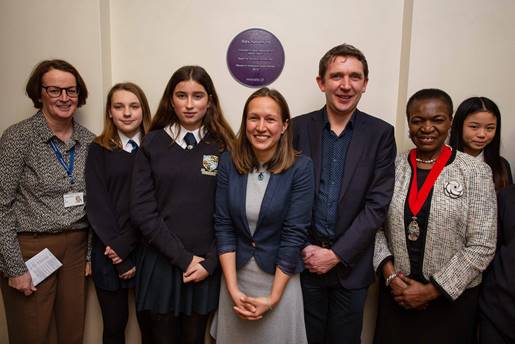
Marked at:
<point>285,323</point>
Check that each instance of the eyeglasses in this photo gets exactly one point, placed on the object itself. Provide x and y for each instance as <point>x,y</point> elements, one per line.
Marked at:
<point>55,92</point>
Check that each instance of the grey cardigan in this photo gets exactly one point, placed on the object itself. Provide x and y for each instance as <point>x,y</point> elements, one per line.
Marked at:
<point>462,226</point>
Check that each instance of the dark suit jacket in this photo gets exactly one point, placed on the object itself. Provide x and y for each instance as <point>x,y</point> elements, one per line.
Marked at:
<point>366,191</point>
<point>283,222</point>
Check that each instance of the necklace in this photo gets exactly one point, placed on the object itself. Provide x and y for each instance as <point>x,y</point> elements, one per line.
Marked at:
<point>417,198</point>
<point>430,161</point>
<point>261,172</point>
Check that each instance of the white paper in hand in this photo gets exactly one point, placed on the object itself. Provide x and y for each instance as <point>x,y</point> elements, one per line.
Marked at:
<point>42,265</point>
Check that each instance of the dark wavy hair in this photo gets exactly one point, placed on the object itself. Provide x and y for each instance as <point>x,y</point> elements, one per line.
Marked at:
<point>492,150</point>
<point>214,120</point>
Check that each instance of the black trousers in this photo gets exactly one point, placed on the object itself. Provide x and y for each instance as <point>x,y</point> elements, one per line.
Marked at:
<point>442,322</point>
<point>332,313</point>
<point>489,334</point>
<point>115,314</point>
<point>170,329</point>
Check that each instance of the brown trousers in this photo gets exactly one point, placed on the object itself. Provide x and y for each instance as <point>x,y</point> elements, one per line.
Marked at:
<point>60,297</point>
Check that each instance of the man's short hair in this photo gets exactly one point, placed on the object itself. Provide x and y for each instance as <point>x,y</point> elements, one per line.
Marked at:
<point>344,50</point>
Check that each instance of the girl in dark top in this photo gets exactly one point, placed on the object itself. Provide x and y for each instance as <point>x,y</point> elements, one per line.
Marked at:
<point>108,170</point>
<point>497,298</point>
<point>476,130</point>
<point>172,203</point>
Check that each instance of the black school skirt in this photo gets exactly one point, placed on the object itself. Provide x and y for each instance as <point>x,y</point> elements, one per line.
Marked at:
<point>159,287</point>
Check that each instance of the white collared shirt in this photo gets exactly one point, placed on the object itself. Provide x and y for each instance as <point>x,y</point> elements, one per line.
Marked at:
<point>125,140</point>
<point>177,132</point>
<point>481,156</point>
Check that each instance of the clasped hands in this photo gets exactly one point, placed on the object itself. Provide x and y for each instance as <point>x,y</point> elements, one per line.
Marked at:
<point>251,308</point>
<point>319,260</point>
<point>411,294</point>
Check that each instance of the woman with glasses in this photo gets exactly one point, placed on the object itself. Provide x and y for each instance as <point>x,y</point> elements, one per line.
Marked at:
<point>42,197</point>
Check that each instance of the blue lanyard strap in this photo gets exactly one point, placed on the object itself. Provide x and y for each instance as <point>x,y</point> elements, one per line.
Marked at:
<point>67,167</point>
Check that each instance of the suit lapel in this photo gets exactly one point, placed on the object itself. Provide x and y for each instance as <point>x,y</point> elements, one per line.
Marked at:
<point>267,198</point>
<point>242,195</point>
<point>315,140</point>
<point>354,152</point>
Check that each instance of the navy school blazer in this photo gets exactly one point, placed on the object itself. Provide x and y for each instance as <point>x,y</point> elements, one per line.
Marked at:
<point>284,217</point>
<point>367,188</point>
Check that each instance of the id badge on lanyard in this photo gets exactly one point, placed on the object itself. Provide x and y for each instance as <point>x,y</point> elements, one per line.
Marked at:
<point>70,199</point>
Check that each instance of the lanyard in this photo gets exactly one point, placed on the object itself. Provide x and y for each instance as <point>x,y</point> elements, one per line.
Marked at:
<point>416,198</point>
<point>67,167</point>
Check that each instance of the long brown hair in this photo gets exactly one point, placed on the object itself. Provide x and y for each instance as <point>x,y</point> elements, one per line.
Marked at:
<point>214,120</point>
<point>109,138</point>
<point>243,156</point>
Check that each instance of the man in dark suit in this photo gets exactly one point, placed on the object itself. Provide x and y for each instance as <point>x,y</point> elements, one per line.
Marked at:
<point>353,155</point>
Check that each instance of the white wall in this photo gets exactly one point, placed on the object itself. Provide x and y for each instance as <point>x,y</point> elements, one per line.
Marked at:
<point>467,48</point>
<point>31,31</point>
<point>150,40</point>
<point>464,47</point>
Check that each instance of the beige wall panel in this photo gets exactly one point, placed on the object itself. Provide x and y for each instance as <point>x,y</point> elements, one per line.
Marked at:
<point>31,31</point>
<point>150,40</point>
<point>467,48</point>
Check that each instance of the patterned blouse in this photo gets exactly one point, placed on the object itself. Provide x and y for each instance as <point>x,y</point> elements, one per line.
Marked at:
<point>33,183</point>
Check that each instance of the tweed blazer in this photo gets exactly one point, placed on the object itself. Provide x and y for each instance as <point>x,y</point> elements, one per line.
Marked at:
<point>462,226</point>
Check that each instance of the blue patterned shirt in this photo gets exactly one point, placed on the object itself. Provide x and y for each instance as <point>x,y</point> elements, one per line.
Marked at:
<point>334,151</point>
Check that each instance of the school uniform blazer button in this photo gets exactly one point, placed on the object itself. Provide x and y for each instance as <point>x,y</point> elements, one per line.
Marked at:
<point>253,244</point>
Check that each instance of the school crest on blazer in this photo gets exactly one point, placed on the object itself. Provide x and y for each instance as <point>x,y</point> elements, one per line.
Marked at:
<point>209,165</point>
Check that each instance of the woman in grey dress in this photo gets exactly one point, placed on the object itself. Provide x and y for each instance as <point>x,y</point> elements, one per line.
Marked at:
<point>263,204</point>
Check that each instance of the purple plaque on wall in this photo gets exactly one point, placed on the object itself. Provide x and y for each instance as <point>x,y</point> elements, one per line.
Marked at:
<point>255,57</point>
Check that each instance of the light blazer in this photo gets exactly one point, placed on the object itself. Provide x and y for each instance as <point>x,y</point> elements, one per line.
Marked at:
<point>461,230</point>
<point>283,220</point>
<point>366,191</point>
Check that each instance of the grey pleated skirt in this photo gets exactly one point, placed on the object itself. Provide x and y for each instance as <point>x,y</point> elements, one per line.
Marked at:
<point>282,325</point>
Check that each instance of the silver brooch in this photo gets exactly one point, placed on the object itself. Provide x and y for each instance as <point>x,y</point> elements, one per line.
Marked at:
<point>453,189</point>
